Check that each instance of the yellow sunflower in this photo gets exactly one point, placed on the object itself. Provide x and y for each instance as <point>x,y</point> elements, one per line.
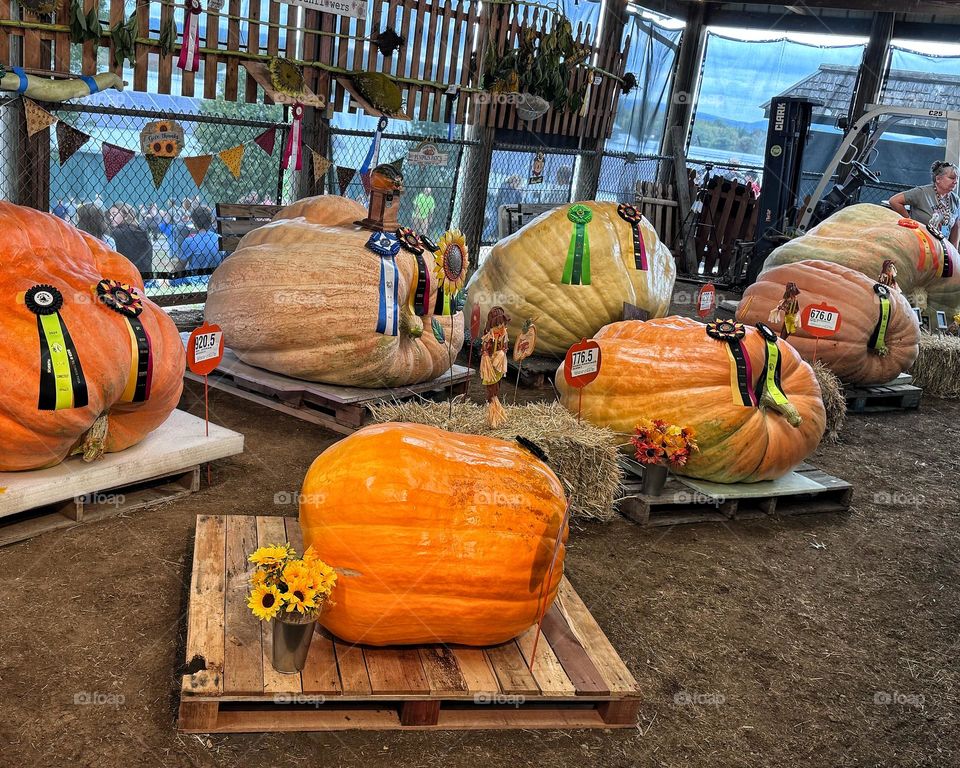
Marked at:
<point>271,555</point>
<point>299,597</point>
<point>296,570</point>
<point>323,577</point>
<point>452,261</point>
<point>265,602</point>
<point>258,578</point>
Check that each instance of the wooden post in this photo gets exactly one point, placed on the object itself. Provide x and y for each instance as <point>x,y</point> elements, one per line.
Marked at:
<point>686,83</point>
<point>874,67</point>
<point>588,180</point>
<point>678,139</point>
<point>475,183</point>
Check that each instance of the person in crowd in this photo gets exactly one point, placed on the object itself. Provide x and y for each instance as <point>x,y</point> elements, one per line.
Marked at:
<point>59,209</point>
<point>200,250</point>
<point>72,210</point>
<point>937,205</point>
<point>92,220</point>
<point>423,207</point>
<point>509,194</point>
<point>132,240</point>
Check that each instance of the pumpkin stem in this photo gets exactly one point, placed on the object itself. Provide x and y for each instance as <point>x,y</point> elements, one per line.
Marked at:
<point>785,409</point>
<point>94,440</point>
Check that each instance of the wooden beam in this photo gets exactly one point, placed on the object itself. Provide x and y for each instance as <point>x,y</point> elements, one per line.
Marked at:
<point>678,9</point>
<point>784,21</point>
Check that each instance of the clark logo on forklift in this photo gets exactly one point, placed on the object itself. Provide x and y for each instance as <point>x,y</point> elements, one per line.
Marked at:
<point>776,150</point>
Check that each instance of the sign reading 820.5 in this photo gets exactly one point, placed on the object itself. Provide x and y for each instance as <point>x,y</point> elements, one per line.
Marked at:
<point>205,349</point>
<point>206,346</point>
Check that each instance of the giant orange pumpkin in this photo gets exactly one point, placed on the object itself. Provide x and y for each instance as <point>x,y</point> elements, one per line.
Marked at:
<point>873,344</point>
<point>81,349</point>
<point>301,296</point>
<point>670,369</point>
<point>863,236</point>
<point>438,537</point>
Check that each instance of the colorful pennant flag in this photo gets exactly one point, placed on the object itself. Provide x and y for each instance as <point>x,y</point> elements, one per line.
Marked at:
<point>320,166</point>
<point>69,140</point>
<point>198,167</point>
<point>114,158</point>
<point>37,117</point>
<point>158,167</point>
<point>232,158</point>
<point>267,140</point>
<point>344,177</point>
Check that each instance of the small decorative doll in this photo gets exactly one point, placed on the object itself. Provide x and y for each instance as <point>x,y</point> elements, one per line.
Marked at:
<point>787,310</point>
<point>888,275</point>
<point>493,363</point>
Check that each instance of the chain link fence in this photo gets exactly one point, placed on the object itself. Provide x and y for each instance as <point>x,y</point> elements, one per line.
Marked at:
<point>167,229</point>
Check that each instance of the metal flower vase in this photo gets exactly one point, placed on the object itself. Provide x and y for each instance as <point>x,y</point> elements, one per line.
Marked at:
<point>292,634</point>
<point>654,478</point>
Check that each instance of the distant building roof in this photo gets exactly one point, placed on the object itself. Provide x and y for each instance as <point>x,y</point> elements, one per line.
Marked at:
<point>832,86</point>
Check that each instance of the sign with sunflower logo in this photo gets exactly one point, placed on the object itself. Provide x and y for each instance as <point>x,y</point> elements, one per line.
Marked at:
<point>451,263</point>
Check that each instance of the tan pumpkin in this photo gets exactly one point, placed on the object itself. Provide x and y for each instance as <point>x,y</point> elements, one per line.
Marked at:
<point>300,296</point>
<point>437,537</point>
<point>524,275</point>
<point>856,353</point>
<point>670,369</point>
<point>50,301</point>
<point>862,237</point>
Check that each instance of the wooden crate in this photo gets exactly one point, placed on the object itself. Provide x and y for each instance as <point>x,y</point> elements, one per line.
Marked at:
<point>340,409</point>
<point>897,395</point>
<point>163,467</point>
<point>577,679</point>
<point>807,490</point>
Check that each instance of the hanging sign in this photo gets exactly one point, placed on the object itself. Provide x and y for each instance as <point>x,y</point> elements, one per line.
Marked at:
<point>820,320</point>
<point>355,9</point>
<point>582,363</point>
<point>205,349</point>
<point>706,300</point>
<point>162,138</point>
<point>536,168</point>
<point>427,154</point>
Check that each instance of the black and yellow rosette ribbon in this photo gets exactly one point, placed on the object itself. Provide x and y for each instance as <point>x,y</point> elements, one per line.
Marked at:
<point>126,302</point>
<point>420,296</point>
<point>576,271</point>
<point>878,341</point>
<point>633,217</point>
<point>62,383</point>
<point>769,389</point>
<point>741,374</point>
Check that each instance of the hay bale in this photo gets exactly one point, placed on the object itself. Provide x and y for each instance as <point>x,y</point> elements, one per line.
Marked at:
<point>937,370</point>
<point>581,454</point>
<point>834,400</point>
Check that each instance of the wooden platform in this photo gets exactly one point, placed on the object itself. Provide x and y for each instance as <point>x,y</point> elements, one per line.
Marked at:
<point>340,409</point>
<point>684,500</point>
<point>897,395</point>
<point>165,466</point>
<point>578,680</point>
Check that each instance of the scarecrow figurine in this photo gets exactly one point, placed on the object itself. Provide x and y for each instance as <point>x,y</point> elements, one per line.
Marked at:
<point>787,310</point>
<point>493,363</point>
<point>888,275</point>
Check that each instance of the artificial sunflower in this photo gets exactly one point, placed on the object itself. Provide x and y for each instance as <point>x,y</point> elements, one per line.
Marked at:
<point>286,77</point>
<point>299,597</point>
<point>258,578</point>
<point>296,571</point>
<point>270,556</point>
<point>265,602</point>
<point>452,261</point>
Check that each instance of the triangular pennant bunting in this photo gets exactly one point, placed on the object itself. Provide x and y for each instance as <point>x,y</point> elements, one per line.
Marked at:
<point>320,166</point>
<point>114,158</point>
<point>158,167</point>
<point>344,177</point>
<point>198,167</point>
<point>232,158</point>
<point>37,117</point>
<point>267,140</point>
<point>69,140</point>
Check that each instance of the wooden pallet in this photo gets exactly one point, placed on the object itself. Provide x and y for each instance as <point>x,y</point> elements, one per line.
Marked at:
<point>340,409</point>
<point>164,467</point>
<point>807,490</point>
<point>577,680</point>
<point>898,395</point>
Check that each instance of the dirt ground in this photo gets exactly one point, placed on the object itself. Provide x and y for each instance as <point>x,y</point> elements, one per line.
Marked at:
<point>826,640</point>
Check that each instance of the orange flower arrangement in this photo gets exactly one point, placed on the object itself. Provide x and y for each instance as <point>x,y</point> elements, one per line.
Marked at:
<point>657,442</point>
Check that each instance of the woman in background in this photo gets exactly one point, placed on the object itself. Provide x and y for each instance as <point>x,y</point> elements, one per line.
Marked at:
<point>936,205</point>
<point>132,240</point>
<point>92,220</point>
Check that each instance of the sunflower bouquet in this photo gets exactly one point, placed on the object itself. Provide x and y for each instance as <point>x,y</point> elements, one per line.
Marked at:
<point>284,584</point>
<point>657,442</point>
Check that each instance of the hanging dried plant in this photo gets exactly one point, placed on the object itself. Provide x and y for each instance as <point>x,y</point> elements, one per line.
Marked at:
<point>388,41</point>
<point>168,36</point>
<point>123,36</point>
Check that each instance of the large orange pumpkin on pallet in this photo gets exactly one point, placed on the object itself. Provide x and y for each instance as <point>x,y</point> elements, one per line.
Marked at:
<point>304,296</point>
<point>878,338</point>
<point>749,426</point>
<point>88,363</point>
<point>438,537</point>
<point>863,236</point>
